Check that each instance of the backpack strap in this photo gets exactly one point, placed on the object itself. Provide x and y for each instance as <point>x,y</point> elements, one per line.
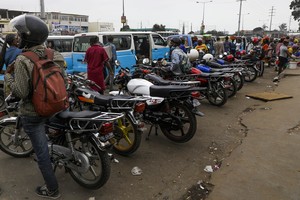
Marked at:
<point>34,57</point>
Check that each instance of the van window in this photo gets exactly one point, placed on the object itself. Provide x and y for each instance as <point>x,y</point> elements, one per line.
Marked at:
<point>81,44</point>
<point>158,40</point>
<point>60,45</point>
<point>122,42</point>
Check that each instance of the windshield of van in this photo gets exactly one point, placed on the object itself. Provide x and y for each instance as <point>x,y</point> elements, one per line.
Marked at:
<point>82,43</point>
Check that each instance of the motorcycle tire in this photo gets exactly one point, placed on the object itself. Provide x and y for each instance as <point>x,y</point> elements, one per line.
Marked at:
<point>261,67</point>
<point>216,94</point>
<point>231,88</point>
<point>239,80</point>
<point>20,148</point>
<point>251,73</point>
<point>128,137</point>
<point>2,99</point>
<point>176,132</point>
<point>97,159</point>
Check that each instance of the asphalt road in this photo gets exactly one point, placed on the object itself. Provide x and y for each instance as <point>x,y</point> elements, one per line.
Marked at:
<point>169,170</point>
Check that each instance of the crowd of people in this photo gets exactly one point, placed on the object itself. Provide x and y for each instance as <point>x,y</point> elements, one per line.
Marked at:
<point>272,51</point>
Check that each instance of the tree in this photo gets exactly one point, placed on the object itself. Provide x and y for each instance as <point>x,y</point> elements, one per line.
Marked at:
<point>264,26</point>
<point>295,7</point>
<point>283,27</point>
<point>157,27</point>
<point>125,28</point>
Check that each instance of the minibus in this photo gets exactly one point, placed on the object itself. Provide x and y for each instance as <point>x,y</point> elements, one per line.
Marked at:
<point>132,47</point>
<point>62,44</point>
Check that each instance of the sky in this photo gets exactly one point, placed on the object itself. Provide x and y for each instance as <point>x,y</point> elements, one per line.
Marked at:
<point>220,15</point>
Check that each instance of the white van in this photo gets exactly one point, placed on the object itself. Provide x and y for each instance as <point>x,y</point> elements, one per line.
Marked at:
<point>131,47</point>
<point>62,44</point>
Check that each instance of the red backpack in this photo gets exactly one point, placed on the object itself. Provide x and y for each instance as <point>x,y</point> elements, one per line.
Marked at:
<point>49,94</point>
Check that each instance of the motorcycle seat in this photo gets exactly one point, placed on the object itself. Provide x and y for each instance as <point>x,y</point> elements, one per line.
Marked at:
<point>167,91</point>
<point>106,100</point>
<point>77,114</point>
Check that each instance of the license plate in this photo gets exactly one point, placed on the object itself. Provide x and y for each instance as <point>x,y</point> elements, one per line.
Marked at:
<point>196,103</point>
<point>106,137</point>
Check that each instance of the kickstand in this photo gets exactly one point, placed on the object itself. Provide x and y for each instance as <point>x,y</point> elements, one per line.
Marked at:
<point>156,133</point>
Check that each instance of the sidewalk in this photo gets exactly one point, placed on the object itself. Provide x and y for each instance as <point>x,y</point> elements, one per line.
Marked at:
<point>266,166</point>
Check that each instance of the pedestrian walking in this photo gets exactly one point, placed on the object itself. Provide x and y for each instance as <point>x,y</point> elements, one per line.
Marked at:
<point>112,60</point>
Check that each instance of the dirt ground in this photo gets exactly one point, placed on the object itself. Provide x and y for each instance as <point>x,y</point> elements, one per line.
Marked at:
<point>170,171</point>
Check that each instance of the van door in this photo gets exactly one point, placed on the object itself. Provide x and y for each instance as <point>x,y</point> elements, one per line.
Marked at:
<point>159,47</point>
<point>142,46</point>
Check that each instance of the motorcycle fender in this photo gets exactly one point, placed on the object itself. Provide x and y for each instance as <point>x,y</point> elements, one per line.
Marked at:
<point>9,119</point>
<point>194,109</point>
<point>100,144</point>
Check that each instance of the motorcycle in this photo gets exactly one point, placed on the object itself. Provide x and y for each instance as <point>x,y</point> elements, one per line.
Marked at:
<point>215,86</point>
<point>128,130</point>
<point>170,107</point>
<point>77,141</point>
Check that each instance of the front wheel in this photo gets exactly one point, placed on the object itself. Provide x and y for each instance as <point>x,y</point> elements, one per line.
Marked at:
<point>128,137</point>
<point>99,170</point>
<point>181,126</point>
<point>239,80</point>
<point>16,144</point>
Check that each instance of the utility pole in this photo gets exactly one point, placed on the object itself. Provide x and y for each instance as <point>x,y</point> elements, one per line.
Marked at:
<point>271,14</point>
<point>290,23</point>
<point>240,13</point>
<point>42,10</point>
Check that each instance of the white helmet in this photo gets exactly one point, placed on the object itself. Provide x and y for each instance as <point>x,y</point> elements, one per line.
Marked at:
<point>193,55</point>
<point>208,57</point>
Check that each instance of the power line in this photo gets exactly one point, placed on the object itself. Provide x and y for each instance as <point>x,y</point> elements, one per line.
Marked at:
<point>271,14</point>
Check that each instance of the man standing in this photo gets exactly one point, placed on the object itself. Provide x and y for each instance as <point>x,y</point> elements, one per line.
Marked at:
<point>96,57</point>
<point>112,60</point>
<point>219,47</point>
<point>33,32</point>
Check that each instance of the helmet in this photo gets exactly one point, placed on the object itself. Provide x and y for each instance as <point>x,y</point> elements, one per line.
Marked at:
<point>255,40</point>
<point>176,41</point>
<point>31,29</point>
<point>193,55</point>
<point>208,57</point>
<point>230,57</point>
<point>243,52</point>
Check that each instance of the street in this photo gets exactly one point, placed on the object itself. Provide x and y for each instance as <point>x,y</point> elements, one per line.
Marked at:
<point>172,171</point>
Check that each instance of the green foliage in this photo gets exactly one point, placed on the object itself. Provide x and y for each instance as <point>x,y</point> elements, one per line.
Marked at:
<point>157,27</point>
<point>295,7</point>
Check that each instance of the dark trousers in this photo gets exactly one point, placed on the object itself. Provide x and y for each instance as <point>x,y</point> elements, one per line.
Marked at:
<point>282,64</point>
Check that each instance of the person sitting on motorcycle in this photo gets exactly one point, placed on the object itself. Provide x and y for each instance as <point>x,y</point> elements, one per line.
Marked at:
<point>179,59</point>
<point>201,46</point>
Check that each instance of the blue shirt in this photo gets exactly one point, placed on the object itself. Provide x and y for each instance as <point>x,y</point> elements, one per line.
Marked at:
<point>11,54</point>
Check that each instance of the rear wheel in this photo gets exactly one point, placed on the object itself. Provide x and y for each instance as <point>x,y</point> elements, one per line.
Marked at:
<point>128,137</point>
<point>230,87</point>
<point>250,73</point>
<point>99,170</point>
<point>216,94</point>
<point>181,126</point>
<point>239,80</point>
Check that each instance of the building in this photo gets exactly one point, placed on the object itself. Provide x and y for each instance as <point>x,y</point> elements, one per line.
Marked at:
<point>58,23</point>
<point>101,27</point>
<point>65,24</point>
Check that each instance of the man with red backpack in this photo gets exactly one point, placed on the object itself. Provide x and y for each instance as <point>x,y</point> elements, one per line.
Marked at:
<point>33,32</point>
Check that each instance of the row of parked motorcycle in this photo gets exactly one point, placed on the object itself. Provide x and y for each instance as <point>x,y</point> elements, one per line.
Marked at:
<point>82,138</point>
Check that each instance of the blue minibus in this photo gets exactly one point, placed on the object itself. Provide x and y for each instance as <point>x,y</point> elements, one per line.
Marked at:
<point>131,47</point>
